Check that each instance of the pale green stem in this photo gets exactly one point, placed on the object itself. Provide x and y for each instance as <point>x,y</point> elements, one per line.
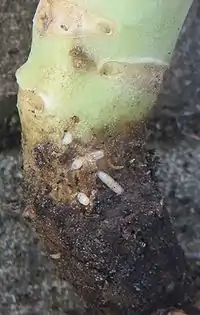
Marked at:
<point>98,60</point>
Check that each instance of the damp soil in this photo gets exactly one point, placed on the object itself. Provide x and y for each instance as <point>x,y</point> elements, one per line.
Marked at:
<point>123,254</point>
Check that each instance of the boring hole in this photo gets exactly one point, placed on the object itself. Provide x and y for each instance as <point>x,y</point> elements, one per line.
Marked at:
<point>106,70</point>
<point>105,28</point>
<point>64,27</point>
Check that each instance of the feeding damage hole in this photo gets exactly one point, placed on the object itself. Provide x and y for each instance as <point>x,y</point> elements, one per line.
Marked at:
<point>106,70</point>
<point>81,59</point>
<point>64,27</point>
<point>104,28</point>
<point>112,68</point>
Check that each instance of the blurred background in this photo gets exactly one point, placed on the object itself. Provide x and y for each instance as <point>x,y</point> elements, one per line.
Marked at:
<point>28,284</point>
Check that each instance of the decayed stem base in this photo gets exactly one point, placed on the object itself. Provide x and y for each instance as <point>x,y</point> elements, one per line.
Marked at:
<point>118,249</point>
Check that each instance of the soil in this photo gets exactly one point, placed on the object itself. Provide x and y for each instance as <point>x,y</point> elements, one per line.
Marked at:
<point>28,283</point>
<point>120,254</point>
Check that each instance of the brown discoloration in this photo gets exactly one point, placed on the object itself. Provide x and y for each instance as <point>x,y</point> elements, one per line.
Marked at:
<point>43,155</point>
<point>52,172</point>
<point>52,168</point>
<point>46,226</point>
<point>122,254</point>
<point>67,156</point>
<point>44,17</point>
<point>45,20</point>
<point>81,59</point>
<point>74,120</point>
<point>67,19</point>
<point>31,114</point>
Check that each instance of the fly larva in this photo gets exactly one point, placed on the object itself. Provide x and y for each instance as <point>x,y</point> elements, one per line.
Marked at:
<point>77,163</point>
<point>110,182</point>
<point>83,199</point>
<point>96,155</point>
<point>55,256</point>
<point>67,139</point>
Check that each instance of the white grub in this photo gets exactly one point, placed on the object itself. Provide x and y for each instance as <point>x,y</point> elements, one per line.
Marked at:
<point>77,163</point>
<point>83,199</point>
<point>110,182</point>
<point>55,256</point>
<point>96,155</point>
<point>67,139</point>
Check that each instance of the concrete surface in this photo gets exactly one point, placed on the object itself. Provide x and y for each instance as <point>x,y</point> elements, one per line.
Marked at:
<point>176,134</point>
<point>15,25</point>
<point>28,284</point>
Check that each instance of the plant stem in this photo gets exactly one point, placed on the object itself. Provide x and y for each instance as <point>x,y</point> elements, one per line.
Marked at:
<point>93,74</point>
<point>98,61</point>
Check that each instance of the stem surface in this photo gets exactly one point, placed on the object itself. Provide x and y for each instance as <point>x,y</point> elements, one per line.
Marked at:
<point>93,74</point>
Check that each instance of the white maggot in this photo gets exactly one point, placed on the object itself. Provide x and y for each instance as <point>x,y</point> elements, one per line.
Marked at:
<point>83,199</point>
<point>77,163</point>
<point>67,139</point>
<point>110,182</point>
